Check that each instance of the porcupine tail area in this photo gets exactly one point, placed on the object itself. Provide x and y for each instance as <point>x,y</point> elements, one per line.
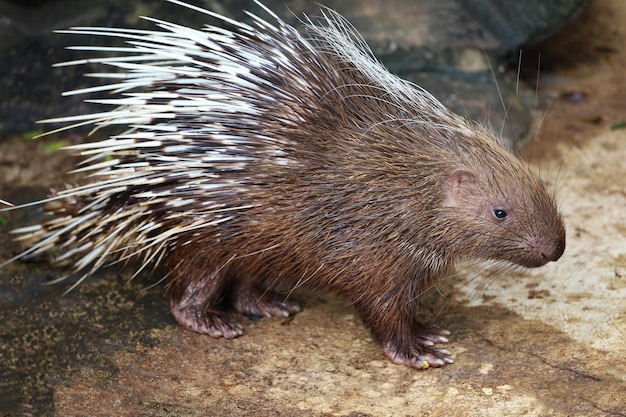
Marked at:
<point>201,107</point>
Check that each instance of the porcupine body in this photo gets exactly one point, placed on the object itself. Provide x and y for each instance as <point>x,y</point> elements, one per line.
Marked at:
<point>258,157</point>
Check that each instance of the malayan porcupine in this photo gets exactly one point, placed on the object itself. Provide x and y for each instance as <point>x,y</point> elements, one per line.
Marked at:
<point>257,157</point>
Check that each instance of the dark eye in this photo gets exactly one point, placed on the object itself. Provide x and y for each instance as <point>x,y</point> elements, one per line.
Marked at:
<point>499,213</point>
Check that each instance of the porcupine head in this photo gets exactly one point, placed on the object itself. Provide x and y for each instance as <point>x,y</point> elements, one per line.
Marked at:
<point>258,157</point>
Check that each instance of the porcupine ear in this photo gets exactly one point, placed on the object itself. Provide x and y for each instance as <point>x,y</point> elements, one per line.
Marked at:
<point>458,182</point>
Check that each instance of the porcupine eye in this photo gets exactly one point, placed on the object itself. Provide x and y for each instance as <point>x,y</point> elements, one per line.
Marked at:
<point>499,213</point>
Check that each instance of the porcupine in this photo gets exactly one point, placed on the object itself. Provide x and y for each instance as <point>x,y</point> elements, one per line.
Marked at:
<point>258,157</point>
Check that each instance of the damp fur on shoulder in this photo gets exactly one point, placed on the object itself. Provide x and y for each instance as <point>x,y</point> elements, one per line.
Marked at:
<point>256,156</point>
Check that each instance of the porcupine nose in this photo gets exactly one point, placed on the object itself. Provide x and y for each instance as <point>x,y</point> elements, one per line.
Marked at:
<point>554,251</point>
<point>545,250</point>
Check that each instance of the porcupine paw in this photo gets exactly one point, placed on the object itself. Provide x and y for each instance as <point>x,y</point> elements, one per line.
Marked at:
<point>422,352</point>
<point>215,324</point>
<point>263,303</point>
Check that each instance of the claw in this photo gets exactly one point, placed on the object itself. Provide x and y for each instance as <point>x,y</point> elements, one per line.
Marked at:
<point>421,353</point>
<point>214,324</point>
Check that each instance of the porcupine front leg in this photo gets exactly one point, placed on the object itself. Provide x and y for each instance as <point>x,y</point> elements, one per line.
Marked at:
<point>406,341</point>
<point>417,349</point>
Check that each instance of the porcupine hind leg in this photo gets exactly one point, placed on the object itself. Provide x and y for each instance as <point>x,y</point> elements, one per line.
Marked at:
<point>197,298</point>
<point>249,298</point>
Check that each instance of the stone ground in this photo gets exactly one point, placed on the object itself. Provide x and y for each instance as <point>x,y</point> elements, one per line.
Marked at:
<point>549,342</point>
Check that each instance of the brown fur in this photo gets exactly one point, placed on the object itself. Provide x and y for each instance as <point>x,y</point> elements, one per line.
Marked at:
<point>376,212</point>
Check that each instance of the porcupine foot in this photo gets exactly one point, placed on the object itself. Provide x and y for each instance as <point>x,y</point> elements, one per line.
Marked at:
<point>197,306</point>
<point>197,311</point>
<point>264,303</point>
<point>421,353</point>
<point>213,323</point>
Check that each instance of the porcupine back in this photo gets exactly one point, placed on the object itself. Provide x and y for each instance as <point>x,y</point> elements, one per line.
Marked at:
<point>265,157</point>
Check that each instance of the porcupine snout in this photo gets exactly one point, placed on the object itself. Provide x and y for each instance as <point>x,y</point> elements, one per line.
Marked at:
<point>546,249</point>
<point>553,250</point>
